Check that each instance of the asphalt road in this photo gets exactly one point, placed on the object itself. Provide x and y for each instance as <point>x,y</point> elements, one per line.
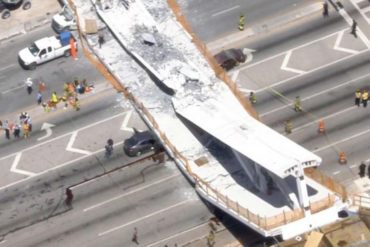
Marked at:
<point>203,15</point>
<point>154,198</point>
<point>324,66</point>
<point>14,96</point>
<point>35,172</point>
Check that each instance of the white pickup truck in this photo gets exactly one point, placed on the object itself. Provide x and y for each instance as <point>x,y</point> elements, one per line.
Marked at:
<point>64,20</point>
<point>46,49</point>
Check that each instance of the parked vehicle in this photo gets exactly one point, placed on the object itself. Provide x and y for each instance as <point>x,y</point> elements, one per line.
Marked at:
<point>46,49</point>
<point>7,5</point>
<point>140,143</point>
<point>228,59</point>
<point>64,20</point>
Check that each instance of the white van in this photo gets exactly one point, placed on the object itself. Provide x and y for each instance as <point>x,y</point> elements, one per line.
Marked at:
<point>64,20</point>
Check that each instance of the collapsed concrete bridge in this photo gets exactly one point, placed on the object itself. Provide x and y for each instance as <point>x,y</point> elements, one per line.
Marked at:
<point>236,162</point>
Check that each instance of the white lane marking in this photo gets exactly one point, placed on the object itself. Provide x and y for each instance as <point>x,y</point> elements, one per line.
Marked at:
<point>295,48</point>
<point>64,135</point>
<point>75,150</point>
<point>3,241</point>
<point>59,166</point>
<point>353,166</point>
<point>46,126</point>
<point>285,63</point>
<point>317,94</point>
<point>336,172</point>
<point>337,43</point>
<point>235,76</point>
<point>178,234</point>
<point>349,20</point>
<point>125,122</point>
<point>142,218</point>
<point>131,192</point>
<point>249,53</point>
<point>225,10</point>
<point>7,67</point>
<point>244,90</point>
<point>313,70</point>
<point>341,141</point>
<point>362,12</point>
<point>12,89</point>
<point>16,170</point>
<point>325,118</point>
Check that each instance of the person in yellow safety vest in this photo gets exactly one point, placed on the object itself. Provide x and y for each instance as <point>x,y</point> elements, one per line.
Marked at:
<point>77,104</point>
<point>211,239</point>
<point>252,98</point>
<point>288,126</point>
<point>297,104</point>
<point>365,97</point>
<point>357,97</point>
<point>26,131</point>
<point>64,99</point>
<point>241,22</point>
<point>65,87</point>
<point>54,100</point>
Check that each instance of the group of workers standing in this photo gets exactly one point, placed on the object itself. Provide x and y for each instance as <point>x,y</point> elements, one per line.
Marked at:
<point>25,120</point>
<point>69,95</point>
<point>361,97</point>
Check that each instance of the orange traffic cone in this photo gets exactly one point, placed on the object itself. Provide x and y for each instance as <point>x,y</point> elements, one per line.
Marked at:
<point>73,48</point>
<point>321,127</point>
<point>342,158</point>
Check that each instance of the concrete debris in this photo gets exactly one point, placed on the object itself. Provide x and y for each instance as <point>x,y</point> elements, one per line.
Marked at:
<point>149,39</point>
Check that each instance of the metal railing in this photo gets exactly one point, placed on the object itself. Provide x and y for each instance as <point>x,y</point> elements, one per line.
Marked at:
<point>327,181</point>
<point>266,223</point>
<point>361,201</point>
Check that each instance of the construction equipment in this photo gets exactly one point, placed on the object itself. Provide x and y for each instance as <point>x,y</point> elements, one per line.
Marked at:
<point>7,5</point>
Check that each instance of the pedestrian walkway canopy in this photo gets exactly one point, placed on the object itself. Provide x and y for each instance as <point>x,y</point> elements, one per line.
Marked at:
<point>224,118</point>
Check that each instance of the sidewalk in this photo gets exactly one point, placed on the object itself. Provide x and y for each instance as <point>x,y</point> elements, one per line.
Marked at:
<point>21,21</point>
<point>237,38</point>
<point>223,238</point>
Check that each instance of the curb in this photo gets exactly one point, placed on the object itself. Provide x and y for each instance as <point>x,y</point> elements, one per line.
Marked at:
<point>276,22</point>
<point>26,27</point>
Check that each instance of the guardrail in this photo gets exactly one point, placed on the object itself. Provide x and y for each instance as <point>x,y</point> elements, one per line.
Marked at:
<point>327,181</point>
<point>266,223</point>
<point>361,201</point>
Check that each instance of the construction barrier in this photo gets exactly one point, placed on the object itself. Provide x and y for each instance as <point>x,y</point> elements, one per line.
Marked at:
<point>266,223</point>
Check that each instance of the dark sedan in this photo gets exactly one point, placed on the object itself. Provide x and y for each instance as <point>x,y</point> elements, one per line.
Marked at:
<point>228,59</point>
<point>141,142</point>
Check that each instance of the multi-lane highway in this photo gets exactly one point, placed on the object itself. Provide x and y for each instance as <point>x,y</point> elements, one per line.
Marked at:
<point>12,79</point>
<point>296,52</point>
<point>69,153</point>
<point>153,198</point>
<point>217,19</point>
<point>304,53</point>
